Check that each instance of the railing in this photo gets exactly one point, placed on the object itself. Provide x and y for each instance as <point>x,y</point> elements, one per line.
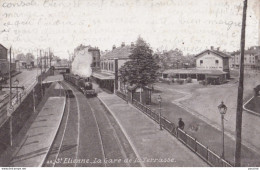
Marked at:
<point>121,95</point>
<point>202,151</point>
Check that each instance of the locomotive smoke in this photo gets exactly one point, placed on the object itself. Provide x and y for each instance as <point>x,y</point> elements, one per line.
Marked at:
<point>81,63</point>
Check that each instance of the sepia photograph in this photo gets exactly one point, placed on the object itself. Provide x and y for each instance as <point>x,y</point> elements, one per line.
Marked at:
<point>129,83</point>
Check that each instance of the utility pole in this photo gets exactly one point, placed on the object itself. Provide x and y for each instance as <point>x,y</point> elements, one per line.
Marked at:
<point>10,99</point>
<point>10,77</point>
<point>37,64</point>
<point>240,91</point>
<point>45,61</point>
<point>41,72</point>
<point>50,57</point>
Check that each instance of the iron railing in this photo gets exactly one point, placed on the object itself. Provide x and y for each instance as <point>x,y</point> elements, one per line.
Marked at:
<point>202,151</point>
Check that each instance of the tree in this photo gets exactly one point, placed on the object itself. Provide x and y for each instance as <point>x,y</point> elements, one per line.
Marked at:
<point>29,58</point>
<point>175,59</point>
<point>20,57</point>
<point>141,69</point>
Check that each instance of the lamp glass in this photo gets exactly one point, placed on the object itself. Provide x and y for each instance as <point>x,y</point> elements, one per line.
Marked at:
<point>159,98</point>
<point>222,108</point>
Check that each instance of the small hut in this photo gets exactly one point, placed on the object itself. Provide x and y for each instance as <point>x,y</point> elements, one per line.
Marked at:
<point>134,93</point>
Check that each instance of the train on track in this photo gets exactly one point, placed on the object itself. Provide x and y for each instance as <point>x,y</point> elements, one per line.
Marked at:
<point>82,84</point>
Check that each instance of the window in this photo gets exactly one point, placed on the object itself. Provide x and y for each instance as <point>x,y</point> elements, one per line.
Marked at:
<point>201,61</point>
<point>216,61</point>
<point>112,66</point>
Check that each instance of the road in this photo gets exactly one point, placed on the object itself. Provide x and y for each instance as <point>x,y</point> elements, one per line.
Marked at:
<point>204,123</point>
<point>26,78</point>
<point>88,136</point>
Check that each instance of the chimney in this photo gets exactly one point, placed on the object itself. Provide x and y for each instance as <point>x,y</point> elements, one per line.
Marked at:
<point>114,47</point>
<point>212,47</point>
<point>123,44</point>
<point>132,44</point>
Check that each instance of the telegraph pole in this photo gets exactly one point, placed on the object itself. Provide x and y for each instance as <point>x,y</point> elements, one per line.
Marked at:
<point>41,72</point>
<point>50,57</point>
<point>10,77</point>
<point>240,91</point>
<point>10,99</point>
<point>45,61</point>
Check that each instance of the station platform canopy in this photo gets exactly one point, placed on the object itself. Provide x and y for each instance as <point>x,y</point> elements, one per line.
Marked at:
<point>51,79</point>
<point>103,76</point>
<point>194,71</point>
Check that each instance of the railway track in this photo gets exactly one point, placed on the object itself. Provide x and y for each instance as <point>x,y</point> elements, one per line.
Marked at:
<point>88,136</point>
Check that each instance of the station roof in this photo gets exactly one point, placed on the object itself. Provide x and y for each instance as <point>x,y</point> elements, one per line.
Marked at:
<point>103,76</point>
<point>194,71</point>
<point>51,79</point>
<point>120,52</point>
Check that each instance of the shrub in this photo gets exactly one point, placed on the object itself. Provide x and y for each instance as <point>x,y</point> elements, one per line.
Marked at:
<point>166,80</point>
<point>204,82</point>
<point>188,80</point>
<point>180,81</point>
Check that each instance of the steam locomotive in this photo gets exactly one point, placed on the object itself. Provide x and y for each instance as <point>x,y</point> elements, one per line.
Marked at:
<point>83,84</point>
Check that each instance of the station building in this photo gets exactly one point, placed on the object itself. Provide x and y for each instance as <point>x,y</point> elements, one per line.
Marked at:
<point>4,64</point>
<point>107,77</point>
<point>211,65</point>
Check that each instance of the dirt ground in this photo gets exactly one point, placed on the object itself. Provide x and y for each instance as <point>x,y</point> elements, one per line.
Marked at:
<point>202,101</point>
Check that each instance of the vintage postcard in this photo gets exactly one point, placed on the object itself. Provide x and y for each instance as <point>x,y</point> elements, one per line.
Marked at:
<point>129,83</point>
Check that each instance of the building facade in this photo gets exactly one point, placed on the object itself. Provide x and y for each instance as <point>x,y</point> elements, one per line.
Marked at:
<point>212,60</point>
<point>110,63</point>
<point>3,52</point>
<point>211,65</point>
<point>95,52</point>
<point>5,64</point>
<point>250,57</point>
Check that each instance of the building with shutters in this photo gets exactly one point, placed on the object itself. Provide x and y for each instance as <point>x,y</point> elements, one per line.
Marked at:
<point>212,65</point>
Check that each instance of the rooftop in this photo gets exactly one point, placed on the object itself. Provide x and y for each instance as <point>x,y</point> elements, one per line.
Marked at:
<point>3,46</point>
<point>255,50</point>
<point>119,52</point>
<point>217,52</point>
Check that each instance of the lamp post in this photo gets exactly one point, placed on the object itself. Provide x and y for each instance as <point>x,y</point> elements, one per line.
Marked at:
<point>160,108</point>
<point>222,110</point>
<point>16,82</point>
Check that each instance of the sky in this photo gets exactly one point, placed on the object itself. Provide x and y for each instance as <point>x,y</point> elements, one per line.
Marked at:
<point>62,25</point>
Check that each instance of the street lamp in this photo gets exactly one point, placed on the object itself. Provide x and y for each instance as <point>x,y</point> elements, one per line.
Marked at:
<point>160,102</point>
<point>16,82</point>
<point>222,110</point>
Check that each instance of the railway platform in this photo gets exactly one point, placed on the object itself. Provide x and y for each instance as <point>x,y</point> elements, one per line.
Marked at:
<point>153,146</point>
<point>40,135</point>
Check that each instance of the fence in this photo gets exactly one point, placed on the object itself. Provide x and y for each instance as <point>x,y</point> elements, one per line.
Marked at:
<point>202,151</point>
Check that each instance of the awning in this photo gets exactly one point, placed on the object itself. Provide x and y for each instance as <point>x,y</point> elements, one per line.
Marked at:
<point>51,79</point>
<point>212,76</point>
<point>103,76</point>
<point>194,71</point>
